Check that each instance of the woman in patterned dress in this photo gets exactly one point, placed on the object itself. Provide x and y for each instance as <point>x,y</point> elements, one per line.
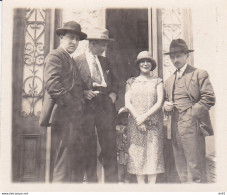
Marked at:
<point>144,99</point>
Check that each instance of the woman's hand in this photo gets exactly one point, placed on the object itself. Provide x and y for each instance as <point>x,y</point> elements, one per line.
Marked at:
<point>168,106</point>
<point>140,119</point>
<point>142,127</point>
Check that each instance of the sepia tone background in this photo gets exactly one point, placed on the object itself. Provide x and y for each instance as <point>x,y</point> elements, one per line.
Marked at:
<point>147,28</point>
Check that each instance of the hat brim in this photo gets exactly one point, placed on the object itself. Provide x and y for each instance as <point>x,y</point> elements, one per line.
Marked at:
<point>150,59</point>
<point>187,51</point>
<point>99,39</point>
<point>61,31</point>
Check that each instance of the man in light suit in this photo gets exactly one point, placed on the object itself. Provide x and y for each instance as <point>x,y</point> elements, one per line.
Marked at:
<point>189,96</point>
<point>63,105</point>
<point>100,92</point>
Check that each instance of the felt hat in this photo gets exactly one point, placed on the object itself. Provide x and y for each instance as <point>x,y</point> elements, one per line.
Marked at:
<point>72,27</point>
<point>99,34</point>
<point>178,45</point>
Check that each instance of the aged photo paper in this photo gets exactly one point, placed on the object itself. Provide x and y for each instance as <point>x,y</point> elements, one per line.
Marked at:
<point>25,154</point>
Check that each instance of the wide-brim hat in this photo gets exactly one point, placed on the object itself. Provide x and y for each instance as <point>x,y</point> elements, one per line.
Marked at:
<point>72,27</point>
<point>178,45</point>
<point>146,55</point>
<point>99,34</point>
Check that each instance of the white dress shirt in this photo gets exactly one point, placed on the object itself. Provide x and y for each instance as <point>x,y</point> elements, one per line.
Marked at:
<point>89,57</point>
<point>181,71</point>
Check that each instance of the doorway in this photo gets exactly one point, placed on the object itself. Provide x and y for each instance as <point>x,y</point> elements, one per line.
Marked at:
<point>129,28</point>
<point>132,30</point>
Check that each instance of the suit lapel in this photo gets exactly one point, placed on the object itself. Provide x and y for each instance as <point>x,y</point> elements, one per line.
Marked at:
<point>171,84</point>
<point>189,71</point>
<point>85,66</point>
<point>85,71</point>
<point>69,59</point>
<point>104,71</point>
<point>60,48</point>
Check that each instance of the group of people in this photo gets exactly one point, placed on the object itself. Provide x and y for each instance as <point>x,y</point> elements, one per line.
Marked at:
<point>79,105</point>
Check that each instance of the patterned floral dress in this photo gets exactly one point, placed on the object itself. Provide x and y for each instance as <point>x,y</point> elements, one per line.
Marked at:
<point>145,149</point>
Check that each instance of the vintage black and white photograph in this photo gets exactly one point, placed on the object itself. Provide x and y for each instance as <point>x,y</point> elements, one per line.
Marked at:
<point>113,93</point>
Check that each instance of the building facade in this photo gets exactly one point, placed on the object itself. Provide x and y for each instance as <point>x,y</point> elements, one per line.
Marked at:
<point>134,30</point>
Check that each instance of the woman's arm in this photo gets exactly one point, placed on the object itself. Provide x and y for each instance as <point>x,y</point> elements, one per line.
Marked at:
<point>128,104</point>
<point>157,106</point>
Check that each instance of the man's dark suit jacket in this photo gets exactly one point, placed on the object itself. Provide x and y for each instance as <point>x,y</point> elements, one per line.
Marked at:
<point>82,64</point>
<point>63,87</point>
<point>201,91</point>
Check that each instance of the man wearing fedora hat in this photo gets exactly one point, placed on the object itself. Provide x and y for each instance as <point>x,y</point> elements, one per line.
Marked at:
<point>189,96</point>
<point>63,104</point>
<point>100,92</point>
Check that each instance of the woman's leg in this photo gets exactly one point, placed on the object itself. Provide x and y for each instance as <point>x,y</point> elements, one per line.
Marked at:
<point>152,178</point>
<point>140,179</point>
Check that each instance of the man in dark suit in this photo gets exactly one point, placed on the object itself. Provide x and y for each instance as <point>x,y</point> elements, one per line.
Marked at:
<point>189,96</point>
<point>63,104</point>
<point>100,91</point>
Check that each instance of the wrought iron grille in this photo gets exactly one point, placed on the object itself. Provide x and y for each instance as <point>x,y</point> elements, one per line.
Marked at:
<point>32,89</point>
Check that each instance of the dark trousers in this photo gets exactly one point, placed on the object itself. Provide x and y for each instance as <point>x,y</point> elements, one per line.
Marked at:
<point>188,147</point>
<point>100,113</point>
<point>66,148</point>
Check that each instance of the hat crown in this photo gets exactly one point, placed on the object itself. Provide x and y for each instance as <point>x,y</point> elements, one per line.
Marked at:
<point>99,34</point>
<point>144,55</point>
<point>72,25</point>
<point>178,45</point>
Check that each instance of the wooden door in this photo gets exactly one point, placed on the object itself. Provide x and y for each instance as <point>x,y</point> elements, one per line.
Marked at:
<point>31,41</point>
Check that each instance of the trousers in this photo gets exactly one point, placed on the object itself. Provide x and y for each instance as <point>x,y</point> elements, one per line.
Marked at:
<point>100,113</point>
<point>66,148</point>
<point>188,147</point>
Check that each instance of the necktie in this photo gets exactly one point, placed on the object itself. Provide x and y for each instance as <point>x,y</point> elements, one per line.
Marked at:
<point>96,75</point>
<point>178,74</point>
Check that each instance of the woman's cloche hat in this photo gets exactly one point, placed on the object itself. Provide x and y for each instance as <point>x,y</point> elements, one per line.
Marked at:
<point>178,45</point>
<point>99,34</point>
<point>72,27</point>
<point>146,55</point>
